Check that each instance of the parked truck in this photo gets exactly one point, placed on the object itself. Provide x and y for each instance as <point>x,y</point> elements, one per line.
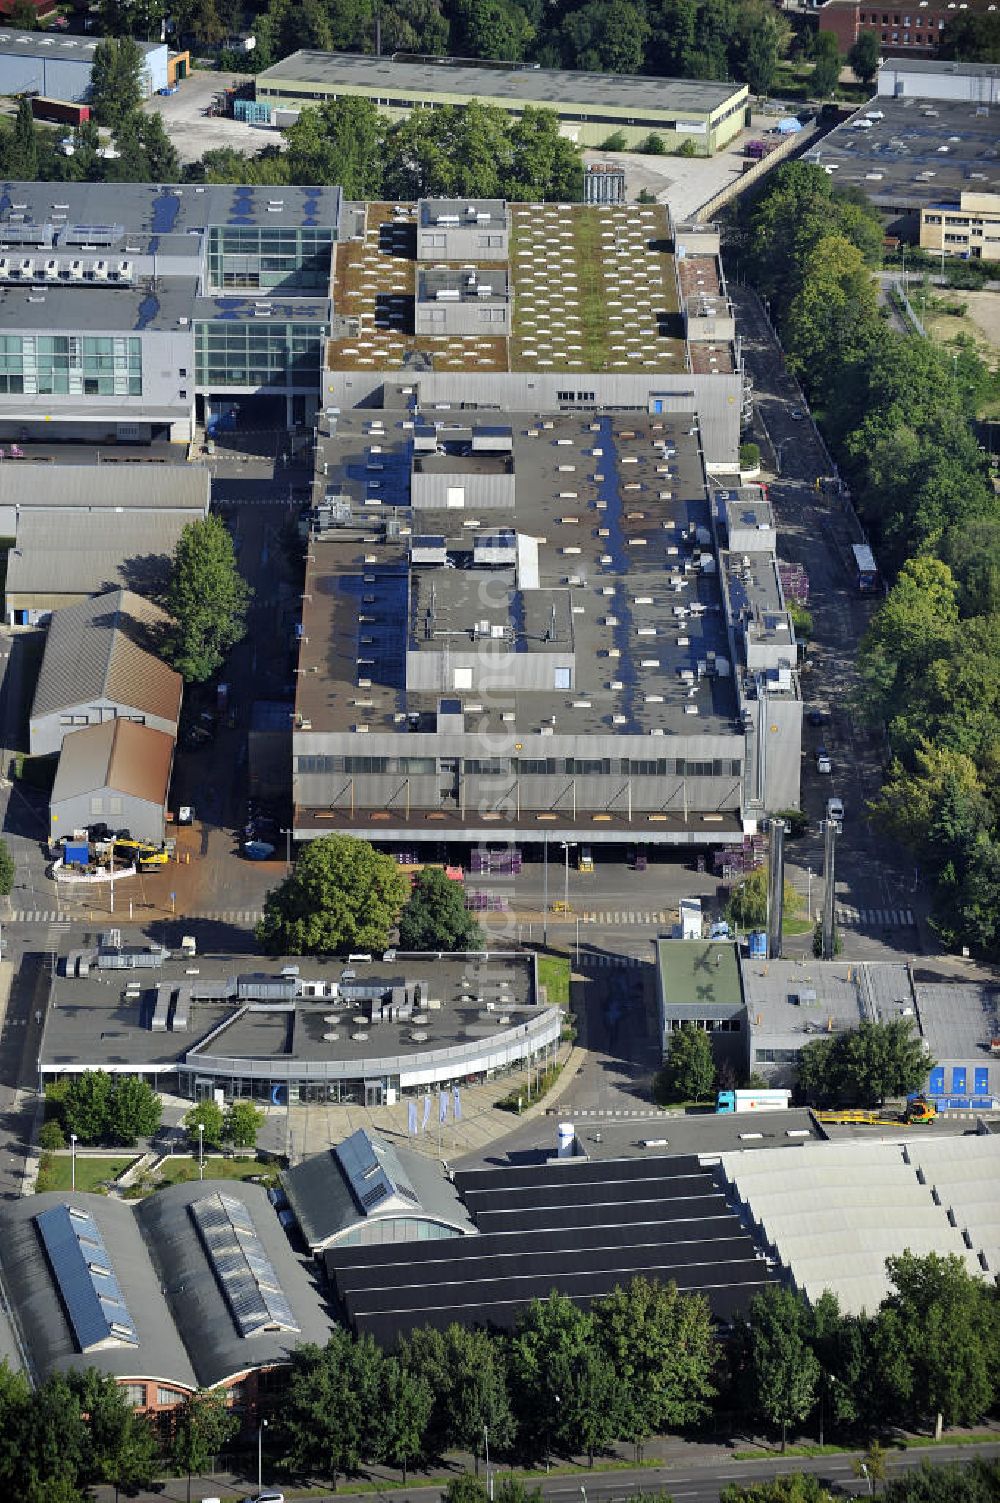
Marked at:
<point>752,1101</point>
<point>63,111</point>
<point>691,919</point>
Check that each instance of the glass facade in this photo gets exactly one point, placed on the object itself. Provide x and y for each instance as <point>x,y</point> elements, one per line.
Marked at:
<point>82,365</point>
<point>258,352</point>
<point>259,257</point>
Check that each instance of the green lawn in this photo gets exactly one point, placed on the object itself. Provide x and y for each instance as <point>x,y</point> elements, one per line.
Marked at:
<point>176,1170</point>
<point>553,974</point>
<point>56,1171</point>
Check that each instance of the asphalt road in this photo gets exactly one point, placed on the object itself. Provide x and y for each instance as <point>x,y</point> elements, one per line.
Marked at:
<point>815,529</point>
<point>698,1475</point>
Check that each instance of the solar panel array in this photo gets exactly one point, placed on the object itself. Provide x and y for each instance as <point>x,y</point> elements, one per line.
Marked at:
<point>373,1172</point>
<point>87,1282</point>
<point>580,1227</point>
<point>242,1267</point>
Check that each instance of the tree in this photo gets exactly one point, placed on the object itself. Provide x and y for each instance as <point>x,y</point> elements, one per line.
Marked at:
<point>435,916</point>
<point>134,1110</point>
<point>863,1066</point>
<point>322,1417</point>
<point>341,896</point>
<point>207,598</point>
<point>131,18</point>
<point>688,1072</point>
<point>115,87</point>
<point>23,15</point>
<point>863,58</point>
<point>406,1413</point>
<point>51,1136</point>
<point>492,29</point>
<point>8,870</point>
<point>591,1406</point>
<point>479,1393</point>
<point>796,1487</point>
<point>24,145</point>
<point>662,1347</point>
<point>243,1122</point>
<point>203,1428</point>
<point>872,1466</point>
<point>85,1105</point>
<point>784,1368</point>
<point>341,142</point>
<point>604,37</point>
<point>826,65</point>
<point>936,1338</point>
<point>51,1442</point>
<point>146,152</point>
<point>971,38</point>
<point>210,1117</point>
<point>122,1448</point>
<point>761,38</point>
<point>548,1345</point>
<point>747,908</point>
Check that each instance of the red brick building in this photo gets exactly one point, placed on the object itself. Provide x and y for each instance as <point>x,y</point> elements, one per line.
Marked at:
<point>914,27</point>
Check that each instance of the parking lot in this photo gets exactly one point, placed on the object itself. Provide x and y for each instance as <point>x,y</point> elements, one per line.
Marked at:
<point>194,132</point>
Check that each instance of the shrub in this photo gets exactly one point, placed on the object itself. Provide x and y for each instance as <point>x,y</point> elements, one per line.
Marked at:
<point>51,1135</point>
<point>653,145</point>
<point>749,456</point>
<point>615,142</point>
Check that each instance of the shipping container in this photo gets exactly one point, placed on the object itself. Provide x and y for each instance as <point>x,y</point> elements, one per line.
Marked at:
<point>62,110</point>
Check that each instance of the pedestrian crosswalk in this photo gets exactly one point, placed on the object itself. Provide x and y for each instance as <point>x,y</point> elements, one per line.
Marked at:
<point>874,918</point>
<point>598,1111</point>
<point>603,959</point>
<point>58,919</point>
<point>39,916</point>
<point>615,918</point>
<point>231,916</point>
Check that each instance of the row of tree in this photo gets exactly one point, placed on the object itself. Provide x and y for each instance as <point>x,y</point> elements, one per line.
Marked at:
<point>454,151</point>
<point>646,1361</point>
<point>96,1107</point>
<point>79,1430</point>
<point>642,1362</point>
<point>863,1066</point>
<point>897,412</point>
<point>342,896</point>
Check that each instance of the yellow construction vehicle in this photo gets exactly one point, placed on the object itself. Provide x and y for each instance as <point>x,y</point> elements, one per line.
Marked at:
<point>918,1113</point>
<point>144,855</point>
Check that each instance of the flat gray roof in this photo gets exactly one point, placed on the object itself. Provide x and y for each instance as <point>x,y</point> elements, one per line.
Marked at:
<point>482,286</point>
<point>940,67</point>
<point>54,47</point>
<point>93,1022</point>
<point>89,309</point>
<point>922,152</point>
<point>699,975</point>
<point>165,210</point>
<point>959,1019</point>
<point>615,518</point>
<point>386,78</point>
<point>813,997</point>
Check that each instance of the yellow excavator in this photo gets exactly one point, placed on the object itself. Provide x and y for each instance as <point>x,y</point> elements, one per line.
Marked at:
<point>919,1112</point>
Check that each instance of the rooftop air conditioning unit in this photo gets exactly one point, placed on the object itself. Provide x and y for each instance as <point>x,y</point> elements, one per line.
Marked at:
<point>100,271</point>
<point>52,271</point>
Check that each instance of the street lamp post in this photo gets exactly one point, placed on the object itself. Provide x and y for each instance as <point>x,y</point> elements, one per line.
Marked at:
<point>566,845</point>
<point>866,1474</point>
<point>288,848</point>
<point>260,1454</point>
<point>201,1150</point>
<point>489,1479</point>
<point>72,1171</point>
<point>545,889</point>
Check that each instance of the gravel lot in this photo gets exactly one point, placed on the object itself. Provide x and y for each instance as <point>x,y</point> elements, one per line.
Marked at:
<point>194,132</point>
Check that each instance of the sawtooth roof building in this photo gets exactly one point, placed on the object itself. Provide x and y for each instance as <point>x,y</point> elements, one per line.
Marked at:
<point>590,106</point>
<point>193,1287</point>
